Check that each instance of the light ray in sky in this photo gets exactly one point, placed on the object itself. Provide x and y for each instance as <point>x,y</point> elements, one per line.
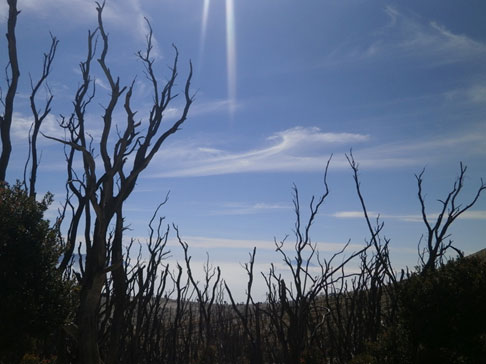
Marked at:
<point>204,26</point>
<point>231,54</point>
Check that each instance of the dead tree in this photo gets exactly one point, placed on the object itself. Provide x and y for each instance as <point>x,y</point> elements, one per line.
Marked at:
<point>360,307</point>
<point>12,83</point>
<point>13,75</point>
<point>436,244</point>
<point>132,331</point>
<point>143,318</point>
<point>206,296</point>
<point>383,280</point>
<point>367,306</point>
<point>179,334</point>
<point>39,116</point>
<point>250,315</point>
<point>291,304</point>
<point>381,250</point>
<point>102,190</point>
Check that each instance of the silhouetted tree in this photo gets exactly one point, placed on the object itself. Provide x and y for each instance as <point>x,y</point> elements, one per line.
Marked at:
<point>293,307</point>
<point>437,233</point>
<point>101,190</point>
<point>12,83</point>
<point>39,117</point>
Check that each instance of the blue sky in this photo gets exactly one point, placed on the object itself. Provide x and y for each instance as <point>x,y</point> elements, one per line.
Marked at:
<point>280,86</point>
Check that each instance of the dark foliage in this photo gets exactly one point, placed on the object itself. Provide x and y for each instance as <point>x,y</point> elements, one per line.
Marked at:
<point>443,314</point>
<point>442,318</point>
<point>34,297</point>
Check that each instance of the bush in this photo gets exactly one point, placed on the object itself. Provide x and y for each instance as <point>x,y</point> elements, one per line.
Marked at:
<point>444,313</point>
<point>34,297</point>
<point>442,318</point>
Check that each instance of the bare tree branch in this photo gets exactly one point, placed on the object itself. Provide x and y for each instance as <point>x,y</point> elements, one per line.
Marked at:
<point>437,232</point>
<point>12,81</point>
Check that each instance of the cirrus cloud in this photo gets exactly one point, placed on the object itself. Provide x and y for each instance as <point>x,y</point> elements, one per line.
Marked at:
<point>295,149</point>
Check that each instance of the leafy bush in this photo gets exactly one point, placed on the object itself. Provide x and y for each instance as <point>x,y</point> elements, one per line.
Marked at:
<point>34,297</point>
<point>442,318</point>
<point>444,313</point>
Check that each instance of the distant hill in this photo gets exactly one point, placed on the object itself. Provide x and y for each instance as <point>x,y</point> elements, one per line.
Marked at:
<point>481,254</point>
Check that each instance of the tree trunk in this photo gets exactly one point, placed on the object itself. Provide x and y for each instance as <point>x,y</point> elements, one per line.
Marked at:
<point>6,119</point>
<point>88,350</point>
<point>119,292</point>
<point>93,282</point>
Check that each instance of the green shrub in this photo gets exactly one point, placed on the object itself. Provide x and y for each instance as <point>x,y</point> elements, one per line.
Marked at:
<point>442,318</point>
<point>444,313</point>
<point>34,297</point>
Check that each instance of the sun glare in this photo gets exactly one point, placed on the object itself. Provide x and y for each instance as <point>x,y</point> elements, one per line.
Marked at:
<point>204,26</point>
<point>230,49</point>
<point>231,55</point>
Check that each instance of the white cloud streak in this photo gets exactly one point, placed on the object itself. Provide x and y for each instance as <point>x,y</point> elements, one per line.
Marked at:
<point>198,242</point>
<point>296,149</point>
<point>418,152</point>
<point>249,209</point>
<point>306,149</point>
<point>467,215</point>
<point>21,124</point>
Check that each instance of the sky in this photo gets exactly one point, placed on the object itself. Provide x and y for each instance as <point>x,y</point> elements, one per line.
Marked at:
<point>279,87</point>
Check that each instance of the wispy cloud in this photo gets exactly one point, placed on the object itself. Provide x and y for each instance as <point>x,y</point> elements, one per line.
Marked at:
<point>296,149</point>
<point>475,94</point>
<point>229,243</point>
<point>442,42</point>
<point>306,149</point>
<point>474,215</point>
<point>130,14</point>
<point>375,215</point>
<point>21,124</point>
<point>124,14</point>
<point>198,108</point>
<point>101,83</point>
<point>77,11</point>
<point>402,153</point>
<point>468,215</point>
<point>214,106</point>
<point>248,209</point>
<point>408,35</point>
